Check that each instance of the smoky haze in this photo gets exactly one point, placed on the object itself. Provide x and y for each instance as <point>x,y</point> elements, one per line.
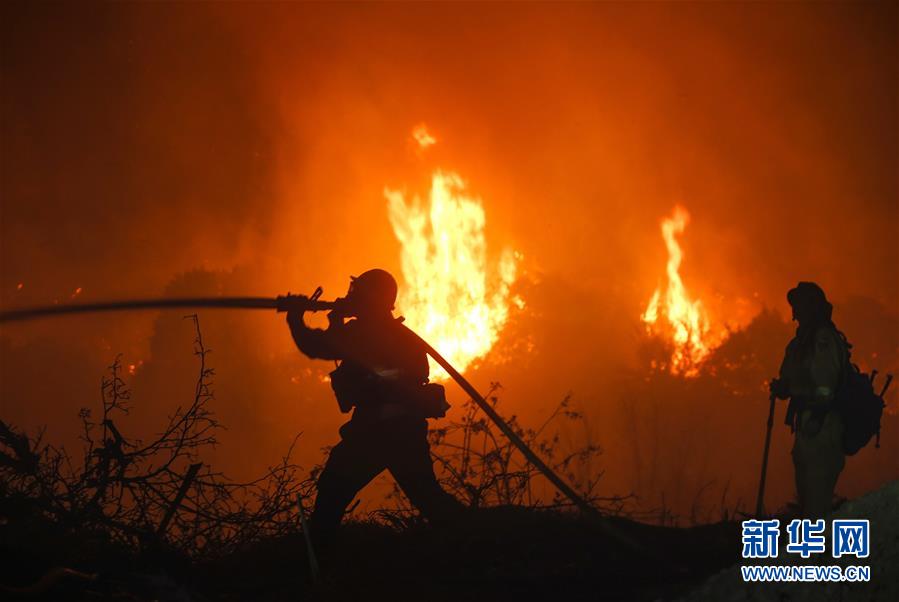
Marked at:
<point>153,149</point>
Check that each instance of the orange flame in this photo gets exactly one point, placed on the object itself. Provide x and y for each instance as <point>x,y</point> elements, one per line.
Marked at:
<point>684,319</point>
<point>451,297</point>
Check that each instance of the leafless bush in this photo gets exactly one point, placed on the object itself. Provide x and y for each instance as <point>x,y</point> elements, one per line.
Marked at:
<point>143,494</point>
<point>481,467</point>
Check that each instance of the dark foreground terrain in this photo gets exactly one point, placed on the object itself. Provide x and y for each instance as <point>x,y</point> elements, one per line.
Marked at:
<point>496,554</point>
<point>502,553</point>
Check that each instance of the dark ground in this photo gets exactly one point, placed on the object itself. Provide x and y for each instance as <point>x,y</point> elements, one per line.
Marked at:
<point>498,554</point>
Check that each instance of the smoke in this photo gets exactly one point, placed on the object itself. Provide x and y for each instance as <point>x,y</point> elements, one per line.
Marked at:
<point>245,148</point>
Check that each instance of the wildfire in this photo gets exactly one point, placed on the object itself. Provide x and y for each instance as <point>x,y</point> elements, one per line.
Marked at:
<point>451,297</point>
<point>675,313</point>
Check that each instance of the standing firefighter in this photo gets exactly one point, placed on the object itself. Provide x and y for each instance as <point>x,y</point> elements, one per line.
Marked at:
<point>383,378</point>
<point>812,370</point>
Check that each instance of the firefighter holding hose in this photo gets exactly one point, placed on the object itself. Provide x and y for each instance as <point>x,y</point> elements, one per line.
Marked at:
<point>382,378</point>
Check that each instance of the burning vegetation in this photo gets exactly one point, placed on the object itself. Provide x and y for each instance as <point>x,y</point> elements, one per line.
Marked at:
<point>453,296</point>
<point>672,312</point>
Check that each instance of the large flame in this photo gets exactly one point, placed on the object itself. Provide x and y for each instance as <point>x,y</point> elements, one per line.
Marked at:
<point>451,296</point>
<point>674,313</point>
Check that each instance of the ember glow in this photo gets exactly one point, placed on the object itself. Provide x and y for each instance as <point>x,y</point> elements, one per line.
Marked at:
<point>423,137</point>
<point>674,314</point>
<point>452,297</point>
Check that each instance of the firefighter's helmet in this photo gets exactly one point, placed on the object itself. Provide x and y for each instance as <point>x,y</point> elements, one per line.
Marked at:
<point>374,289</point>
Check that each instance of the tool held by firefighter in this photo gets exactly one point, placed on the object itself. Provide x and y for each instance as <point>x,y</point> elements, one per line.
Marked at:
<point>760,500</point>
<point>301,303</point>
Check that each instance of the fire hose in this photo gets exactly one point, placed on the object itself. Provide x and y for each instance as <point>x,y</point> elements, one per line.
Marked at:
<point>300,303</point>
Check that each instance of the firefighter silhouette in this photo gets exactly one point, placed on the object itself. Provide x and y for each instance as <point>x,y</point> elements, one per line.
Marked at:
<point>382,378</point>
<point>810,375</point>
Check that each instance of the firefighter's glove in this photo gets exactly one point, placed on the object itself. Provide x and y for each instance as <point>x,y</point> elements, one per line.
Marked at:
<point>779,387</point>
